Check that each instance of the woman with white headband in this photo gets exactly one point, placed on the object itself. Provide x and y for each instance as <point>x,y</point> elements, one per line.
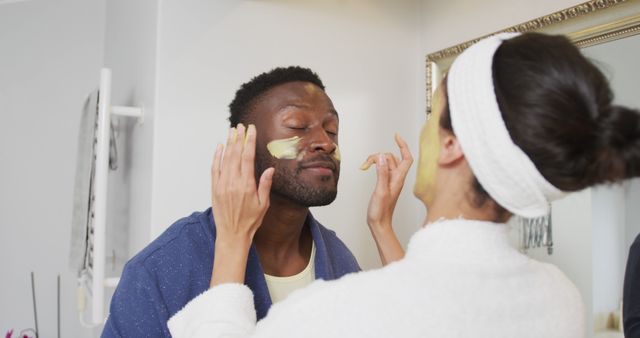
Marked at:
<point>519,120</point>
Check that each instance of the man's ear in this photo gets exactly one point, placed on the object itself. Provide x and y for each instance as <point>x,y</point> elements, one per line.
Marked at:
<point>450,150</point>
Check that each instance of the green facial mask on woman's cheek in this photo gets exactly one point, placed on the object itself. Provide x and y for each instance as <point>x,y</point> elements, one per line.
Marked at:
<point>429,153</point>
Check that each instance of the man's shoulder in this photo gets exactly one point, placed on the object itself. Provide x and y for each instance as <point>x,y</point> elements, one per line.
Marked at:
<point>162,278</point>
<point>184,249</point>
<point>188,234</point>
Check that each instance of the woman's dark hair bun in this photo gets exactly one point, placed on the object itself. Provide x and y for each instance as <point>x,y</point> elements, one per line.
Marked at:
<point>619,141</point>
<point>557,106</point>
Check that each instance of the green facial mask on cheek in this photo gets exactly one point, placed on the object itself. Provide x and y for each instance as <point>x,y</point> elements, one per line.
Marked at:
<point>284,149</point>
<point>336,154</point>
<point>429,154</point>
<point>287,149</point>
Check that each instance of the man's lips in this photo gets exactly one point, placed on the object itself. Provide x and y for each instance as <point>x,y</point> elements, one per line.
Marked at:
<point>321,167</point>
<point>319,164</point>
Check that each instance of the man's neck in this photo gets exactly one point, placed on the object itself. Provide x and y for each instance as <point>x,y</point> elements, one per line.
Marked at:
<point>283,242</point>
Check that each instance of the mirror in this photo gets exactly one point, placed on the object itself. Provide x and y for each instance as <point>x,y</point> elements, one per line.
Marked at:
<point>587,24</point>
<point>616,221</point>
<point>590,247</point>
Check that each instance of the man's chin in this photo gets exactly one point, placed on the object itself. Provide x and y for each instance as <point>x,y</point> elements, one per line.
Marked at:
<point>313,198</point>
<point>322,202</point>
<point>318,199</point>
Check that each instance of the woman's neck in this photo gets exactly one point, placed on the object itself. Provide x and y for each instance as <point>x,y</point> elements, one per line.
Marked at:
<point>454,199</point>
<point>441,209</point>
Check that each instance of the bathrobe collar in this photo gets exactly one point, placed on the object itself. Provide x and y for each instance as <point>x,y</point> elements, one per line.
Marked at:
<point>469,241</point>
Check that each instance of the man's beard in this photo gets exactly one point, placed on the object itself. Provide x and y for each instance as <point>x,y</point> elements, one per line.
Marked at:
<point>287,182</point>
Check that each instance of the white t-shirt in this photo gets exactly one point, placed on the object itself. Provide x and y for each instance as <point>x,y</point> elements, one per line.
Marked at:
<point>281,287</point>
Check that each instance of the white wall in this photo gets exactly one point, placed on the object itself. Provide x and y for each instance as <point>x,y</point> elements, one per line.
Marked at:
<point>50,56</point>
<point>366,52</point>
<point>609,220</point>
<point>130,52</point>
<point>633,214</point>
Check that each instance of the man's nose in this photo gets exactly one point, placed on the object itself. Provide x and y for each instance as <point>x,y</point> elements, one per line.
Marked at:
<point>321,141</point>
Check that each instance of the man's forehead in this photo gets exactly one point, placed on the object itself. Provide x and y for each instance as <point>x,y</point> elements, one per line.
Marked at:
<point>295,89</point>
<point>293,108</point>
<point>299,95</point>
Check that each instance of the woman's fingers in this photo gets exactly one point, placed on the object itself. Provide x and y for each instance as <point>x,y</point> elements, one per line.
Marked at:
<point>392,172</point>
<point>382,185</point>
<point>368,162</point>
<point>378,214</point>
<point>392,161</point>
<point>239,155</point>
<point>229,153</point>
<point>404,148</point>
<point>264,188</point>
<point>248,153</point>
<point>404,164</point>
<point>215,168</point>
<point>237,149</point>
<point>407,159</point>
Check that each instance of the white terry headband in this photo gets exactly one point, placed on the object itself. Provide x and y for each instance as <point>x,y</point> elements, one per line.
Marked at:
<point>503,169</point>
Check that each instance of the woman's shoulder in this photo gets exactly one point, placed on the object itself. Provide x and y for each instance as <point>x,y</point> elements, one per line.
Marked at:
<point>556,291</point>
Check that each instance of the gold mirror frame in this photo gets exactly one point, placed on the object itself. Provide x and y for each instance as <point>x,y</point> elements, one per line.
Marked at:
<point>586,24</point>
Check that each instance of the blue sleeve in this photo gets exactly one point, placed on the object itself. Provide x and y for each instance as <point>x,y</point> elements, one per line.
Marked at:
<point>137,308</point>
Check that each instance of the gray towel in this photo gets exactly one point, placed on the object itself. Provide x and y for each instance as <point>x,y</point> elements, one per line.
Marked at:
<point>81,223</point>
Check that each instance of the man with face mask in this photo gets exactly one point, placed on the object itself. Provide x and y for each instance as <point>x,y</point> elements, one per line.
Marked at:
<point>298,137</point>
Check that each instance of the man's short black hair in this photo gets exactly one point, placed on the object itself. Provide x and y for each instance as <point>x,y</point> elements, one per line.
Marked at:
<point>249,92</point>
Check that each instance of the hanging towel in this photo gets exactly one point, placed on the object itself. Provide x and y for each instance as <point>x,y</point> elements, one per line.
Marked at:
<point>84,171</point>
<point>79,255</point>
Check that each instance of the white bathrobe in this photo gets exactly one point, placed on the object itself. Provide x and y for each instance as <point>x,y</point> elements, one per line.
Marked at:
<point>458,279</point>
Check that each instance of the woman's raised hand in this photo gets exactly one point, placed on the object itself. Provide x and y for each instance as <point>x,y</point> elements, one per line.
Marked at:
<point>391,175</point>
<point>239,205</point>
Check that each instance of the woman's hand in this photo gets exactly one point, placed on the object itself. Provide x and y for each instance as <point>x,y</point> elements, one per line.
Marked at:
<point>391,175</point>
<point>238,204</point>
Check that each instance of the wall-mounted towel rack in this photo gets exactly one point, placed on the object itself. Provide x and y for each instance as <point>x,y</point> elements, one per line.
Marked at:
<point>92,280</point>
